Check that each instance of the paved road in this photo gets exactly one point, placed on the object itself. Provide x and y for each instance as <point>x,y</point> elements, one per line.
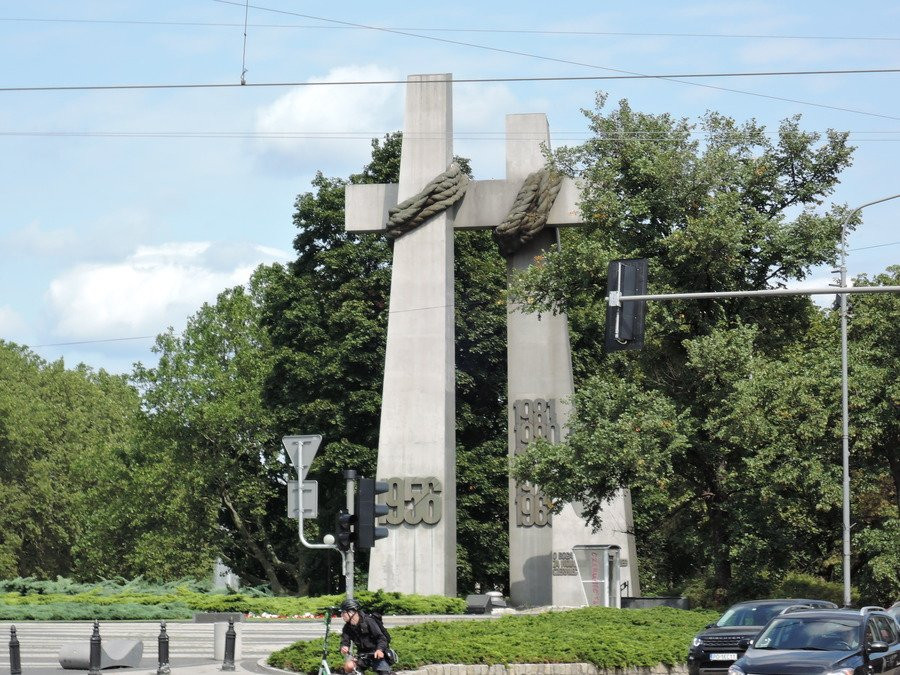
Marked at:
<point>190,643</point>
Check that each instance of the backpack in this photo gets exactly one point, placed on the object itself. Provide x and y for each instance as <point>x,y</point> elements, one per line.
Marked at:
<point>390,655</point>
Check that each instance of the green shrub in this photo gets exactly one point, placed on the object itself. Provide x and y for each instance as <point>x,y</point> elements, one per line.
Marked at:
<point>807,586</point>
<point>76,611</point>
<point>20,598</point>
<point>606,637</point>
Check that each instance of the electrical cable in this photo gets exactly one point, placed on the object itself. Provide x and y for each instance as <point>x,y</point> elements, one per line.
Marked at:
<point>467,80</point>
<point>90,342</point>
<point>244,54</point>
<point>555,60</point>
<point>498,135</point>
<point>523,31</point>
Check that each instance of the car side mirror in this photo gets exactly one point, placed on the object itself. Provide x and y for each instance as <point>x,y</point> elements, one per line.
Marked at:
<point>710,625</point>
<point>877,646</point>
<point>745,643</point>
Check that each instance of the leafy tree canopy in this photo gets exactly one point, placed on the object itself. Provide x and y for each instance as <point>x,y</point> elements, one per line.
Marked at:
<point>726,425</point>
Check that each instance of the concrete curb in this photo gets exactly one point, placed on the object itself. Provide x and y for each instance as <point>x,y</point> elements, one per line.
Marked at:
<point>272,669</point>
<point>518,669</point>
<point>542,669</point>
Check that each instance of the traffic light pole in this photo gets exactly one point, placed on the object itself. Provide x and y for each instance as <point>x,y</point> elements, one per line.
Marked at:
<point>346,559</point>
<point>309,544</point>
<point>350,477</point>
<point>616,298</point>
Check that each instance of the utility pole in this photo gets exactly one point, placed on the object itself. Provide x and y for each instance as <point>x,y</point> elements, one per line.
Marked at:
<point>845,410</point>
<point>350,477</point>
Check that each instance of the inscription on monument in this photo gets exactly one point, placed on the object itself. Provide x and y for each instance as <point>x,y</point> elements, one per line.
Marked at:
<point>413,500</point>
<point>564,564</point>
<point>532,507</point>
<point>534,418</point>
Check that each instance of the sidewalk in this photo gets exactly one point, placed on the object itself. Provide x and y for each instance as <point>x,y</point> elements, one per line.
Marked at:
<point>211,668</point>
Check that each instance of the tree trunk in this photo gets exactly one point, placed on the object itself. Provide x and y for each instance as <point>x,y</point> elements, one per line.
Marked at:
<point>255,550</point>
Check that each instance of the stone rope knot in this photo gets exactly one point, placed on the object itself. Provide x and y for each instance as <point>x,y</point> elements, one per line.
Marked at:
<point>441,193</point>
<point>529,212</point>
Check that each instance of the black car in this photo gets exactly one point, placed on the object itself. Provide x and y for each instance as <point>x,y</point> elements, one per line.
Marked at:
<point>829,642</point>
<point>723,642</point>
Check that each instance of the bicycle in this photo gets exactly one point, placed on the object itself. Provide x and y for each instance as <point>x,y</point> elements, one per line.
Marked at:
<point>363,662</point>
<point>329,612</point>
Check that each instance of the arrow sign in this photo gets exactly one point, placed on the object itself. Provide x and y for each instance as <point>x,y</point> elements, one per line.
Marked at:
<point>302,450</point>
<point>309,499</point>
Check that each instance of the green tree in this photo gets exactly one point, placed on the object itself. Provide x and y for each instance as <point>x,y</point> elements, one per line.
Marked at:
<point>205,409</point>
<point>718,426</point>
<point>63,436</point>
<point>874,406</point>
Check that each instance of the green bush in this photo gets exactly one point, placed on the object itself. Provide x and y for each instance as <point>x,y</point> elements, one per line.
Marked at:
<point>609,638</point>
<point>701,592</point>
<point>807,586</point>
<point>22,598</point>
<point>76,611</point>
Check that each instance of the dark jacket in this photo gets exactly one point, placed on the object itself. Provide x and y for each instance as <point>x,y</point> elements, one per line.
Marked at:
<point>366,635</point>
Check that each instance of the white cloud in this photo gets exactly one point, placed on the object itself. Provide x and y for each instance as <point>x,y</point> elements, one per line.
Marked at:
<point>336,122</point>
<point>33,239</point>
<point>822,300</point>
<point>11,324</point>
<point>155,287</point>
<point>111,235</point>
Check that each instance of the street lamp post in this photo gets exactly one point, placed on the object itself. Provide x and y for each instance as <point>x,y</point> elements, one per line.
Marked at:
<point>844,396</point>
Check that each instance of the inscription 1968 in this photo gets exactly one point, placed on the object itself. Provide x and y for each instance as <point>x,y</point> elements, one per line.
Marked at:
<point>533,418</point>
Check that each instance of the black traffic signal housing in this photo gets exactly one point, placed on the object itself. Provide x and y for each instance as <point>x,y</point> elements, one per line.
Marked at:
<point>625,322</point>
<point>345,534</point>
<point>368,512</point>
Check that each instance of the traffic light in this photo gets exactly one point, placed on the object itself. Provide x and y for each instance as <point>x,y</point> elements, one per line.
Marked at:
<point>368,512</point>
<point>345,533</point>
<point>625,319</point>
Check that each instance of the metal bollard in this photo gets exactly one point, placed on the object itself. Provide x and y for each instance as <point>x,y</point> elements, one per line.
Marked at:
<point>163,651</point>
<point>94,663</point>
<point>15,657</point>
<point>230,637</point>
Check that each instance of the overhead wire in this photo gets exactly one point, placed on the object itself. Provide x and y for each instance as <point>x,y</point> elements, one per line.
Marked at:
<point>675,79</point>
<point>519,31</point>
<point>498,135</point>
<point>150,337</point>
<point>623,74</point>
<point>90,342</point>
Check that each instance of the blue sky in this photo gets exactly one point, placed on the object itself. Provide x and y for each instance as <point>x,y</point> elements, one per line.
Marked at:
<point>124,210</point>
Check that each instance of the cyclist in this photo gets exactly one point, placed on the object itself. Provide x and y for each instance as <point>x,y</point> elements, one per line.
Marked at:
<point>361,630</point>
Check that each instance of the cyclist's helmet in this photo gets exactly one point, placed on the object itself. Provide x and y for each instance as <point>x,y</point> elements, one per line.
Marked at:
<point>350,605</point>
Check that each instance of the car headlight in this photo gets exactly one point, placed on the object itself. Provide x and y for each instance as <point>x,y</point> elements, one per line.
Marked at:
<point>842,671</point>
<point>696,642</point>
<point>734,670</point>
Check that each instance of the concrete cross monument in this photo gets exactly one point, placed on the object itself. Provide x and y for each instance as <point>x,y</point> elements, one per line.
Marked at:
<point>416,454</point>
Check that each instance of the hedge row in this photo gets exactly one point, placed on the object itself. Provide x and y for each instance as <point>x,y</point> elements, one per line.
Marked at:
<point>62,600</point>
<point>608,638</point>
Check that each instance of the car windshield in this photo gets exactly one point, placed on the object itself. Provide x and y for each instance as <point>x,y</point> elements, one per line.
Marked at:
<point>792,632</point>
<point>751,615</point>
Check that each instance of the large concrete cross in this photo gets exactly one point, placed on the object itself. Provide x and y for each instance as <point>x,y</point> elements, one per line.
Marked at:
<point>417,437</point>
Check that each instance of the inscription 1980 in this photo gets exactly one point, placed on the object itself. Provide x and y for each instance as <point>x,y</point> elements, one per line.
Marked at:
<point>533,418</point>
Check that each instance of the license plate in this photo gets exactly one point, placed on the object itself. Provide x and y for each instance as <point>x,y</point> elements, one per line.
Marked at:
<point>726,656</point>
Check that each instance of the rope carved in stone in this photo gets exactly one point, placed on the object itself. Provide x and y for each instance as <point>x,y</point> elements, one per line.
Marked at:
<point>529,212</point>
<point>440,194</point>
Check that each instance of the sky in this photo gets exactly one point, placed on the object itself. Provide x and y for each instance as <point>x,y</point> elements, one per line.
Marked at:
<point>125,209</point>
